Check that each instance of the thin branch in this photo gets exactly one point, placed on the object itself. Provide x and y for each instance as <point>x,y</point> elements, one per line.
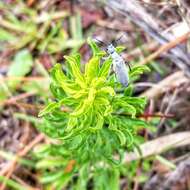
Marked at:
<point>166,47</point>
<point>9,168</point>
<point>172,81</point>
<point>160,145</point>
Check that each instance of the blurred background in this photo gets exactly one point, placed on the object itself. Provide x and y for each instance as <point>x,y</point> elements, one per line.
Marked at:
<point>36,34</point>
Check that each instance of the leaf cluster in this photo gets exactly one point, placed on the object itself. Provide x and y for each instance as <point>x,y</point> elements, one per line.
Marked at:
<point>92,117</point>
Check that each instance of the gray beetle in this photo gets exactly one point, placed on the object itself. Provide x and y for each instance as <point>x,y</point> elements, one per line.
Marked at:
<point>119,65</point>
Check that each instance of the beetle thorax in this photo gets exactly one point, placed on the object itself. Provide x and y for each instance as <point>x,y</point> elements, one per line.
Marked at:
<point>110,49</point>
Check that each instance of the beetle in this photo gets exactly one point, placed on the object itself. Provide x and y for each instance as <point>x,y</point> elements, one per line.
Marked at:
<point>119,65</point>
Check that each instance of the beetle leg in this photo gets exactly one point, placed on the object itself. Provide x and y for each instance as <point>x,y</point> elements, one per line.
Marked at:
<point>126,62</point>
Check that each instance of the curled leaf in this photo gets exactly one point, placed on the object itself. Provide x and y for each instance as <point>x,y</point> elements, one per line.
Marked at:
<point>49,108</point>
<point>95,49</point>
<point>76,70</point>
<point>105,68</point>
<point>91,69</point>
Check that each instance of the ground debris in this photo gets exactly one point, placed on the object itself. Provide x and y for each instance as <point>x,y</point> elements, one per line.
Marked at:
<point>179,179</point>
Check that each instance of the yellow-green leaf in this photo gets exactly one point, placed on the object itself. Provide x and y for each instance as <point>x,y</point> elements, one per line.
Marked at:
<point>49,108</point>
<point>95,49</point>
<point>72,122</point>
<point>58,75</point>
<point>98,82</point>
<point>119,49</point>
<point>79,78</point>
<point>81,109</point>
<point>102,101</point>
<point>107,90</point>
<point>91,69</point>
<point>105,68</point>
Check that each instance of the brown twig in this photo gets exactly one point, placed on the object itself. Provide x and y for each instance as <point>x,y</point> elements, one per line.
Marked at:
<point>160,115</point>
<point>137,52</point>
<point>70,166</point>
<point>159,145</point>
<point>23,183</point>
<point>27,106</point>
<point>24,78</point>
<point>16,98</point>
<point>138,173</point>
<point>172,81</point>
<point>150,115</point>
<point>166,47</point>
<point>11,166</point>
<point>167,110</point>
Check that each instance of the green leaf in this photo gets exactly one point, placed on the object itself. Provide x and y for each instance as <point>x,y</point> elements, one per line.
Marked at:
<point>98,82</point>
<point>99,123</point>
<point>63,181</point>
<point>5,35</point>
<point>72,60</point>
<point>70,88</point>
<point>57,74</point>
<point>81,109</point>
<point>72,122</point>
<point>49,108</point>
<point>51,162</point>
<point>82,177</point>
<point>77,58</point>
<point>22,64</point>
<point>94,47</point>
<point>105,68</point>
<point>57,91</point>
<point>119,49</point>
<point>101,101</point>
<point>109,110</point>
<point>80,94</point>
<point>91,95</point>
<point>114,179</point>
<point>107,90</point>
<point>130,139</point>
<point>51,177</point>
<point>141,101</point>
<point>128,91</point>
<point>91,69</point>
<point>75,26</point>
<point>106,179</point>
<point>138,70</point>
<point>61,80</point>
<point>121,136</point>
<point>127,107</point>
<point>11,183</point>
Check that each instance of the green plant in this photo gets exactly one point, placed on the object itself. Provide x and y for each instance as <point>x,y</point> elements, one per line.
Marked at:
<point>92,120</point>
<point>38,29</point>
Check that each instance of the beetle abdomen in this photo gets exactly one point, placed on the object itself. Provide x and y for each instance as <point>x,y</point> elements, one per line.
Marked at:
<point>122,74</point>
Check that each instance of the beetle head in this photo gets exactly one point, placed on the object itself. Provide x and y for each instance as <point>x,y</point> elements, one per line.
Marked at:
<point>110,49</point>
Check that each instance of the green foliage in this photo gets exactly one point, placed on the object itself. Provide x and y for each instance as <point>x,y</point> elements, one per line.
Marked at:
<point>21,65</point>
<point>39,29</point>
<point>93,120</point>
<point>12,184</point>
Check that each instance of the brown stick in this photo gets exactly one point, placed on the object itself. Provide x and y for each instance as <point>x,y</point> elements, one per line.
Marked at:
<point>16,98</point>
<point>166,47</point>
<point>173,80</point>
<point>160,145</point>
<point>24,78</point>
<point>11,166</point>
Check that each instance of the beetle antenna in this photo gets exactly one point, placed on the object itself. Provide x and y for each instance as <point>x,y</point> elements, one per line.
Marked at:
<point>115,42</point>
<point>101,42</point>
